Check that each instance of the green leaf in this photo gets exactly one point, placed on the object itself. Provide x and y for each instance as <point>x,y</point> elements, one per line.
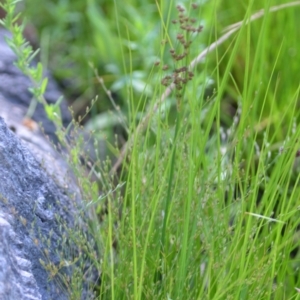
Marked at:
<point>39,72</point>
<point>44,85</point>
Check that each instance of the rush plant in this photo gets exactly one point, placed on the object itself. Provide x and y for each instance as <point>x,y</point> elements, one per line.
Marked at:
<point>206,201</point>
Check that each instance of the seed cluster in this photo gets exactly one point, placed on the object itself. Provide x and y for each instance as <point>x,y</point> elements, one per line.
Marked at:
<point>181,75</point>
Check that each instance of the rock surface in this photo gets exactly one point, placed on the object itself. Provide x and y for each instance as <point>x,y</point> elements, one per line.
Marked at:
<point>36,188</point>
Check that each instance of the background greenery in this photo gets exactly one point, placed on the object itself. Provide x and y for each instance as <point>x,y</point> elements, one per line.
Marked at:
<point>123,41</point>
<point>209,207</point>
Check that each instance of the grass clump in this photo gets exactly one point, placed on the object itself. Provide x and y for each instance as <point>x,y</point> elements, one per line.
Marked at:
<point>206,204</point>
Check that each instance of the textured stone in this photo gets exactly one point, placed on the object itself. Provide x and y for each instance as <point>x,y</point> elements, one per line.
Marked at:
<point>36,187</point>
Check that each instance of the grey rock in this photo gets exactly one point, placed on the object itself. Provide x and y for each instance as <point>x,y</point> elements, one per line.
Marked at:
<point>29,202</point>
<point>38,193</point>
<point>16,278</point>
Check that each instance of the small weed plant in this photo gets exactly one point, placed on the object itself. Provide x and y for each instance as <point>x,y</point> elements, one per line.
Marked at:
<point>206,203</point>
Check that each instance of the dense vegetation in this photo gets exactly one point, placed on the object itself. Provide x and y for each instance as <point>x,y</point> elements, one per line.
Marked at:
<point>205,205</point>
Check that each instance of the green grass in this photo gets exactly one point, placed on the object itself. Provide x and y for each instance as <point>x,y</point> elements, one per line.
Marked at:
<point>209,207</point>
